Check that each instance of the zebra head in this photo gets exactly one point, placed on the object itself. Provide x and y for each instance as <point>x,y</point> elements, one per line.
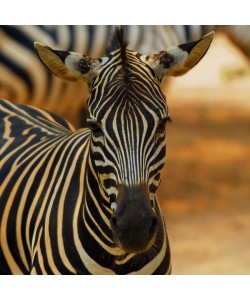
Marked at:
<point>127,115</point>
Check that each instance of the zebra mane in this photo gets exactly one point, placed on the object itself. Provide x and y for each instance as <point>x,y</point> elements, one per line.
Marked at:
<point>118,41</point>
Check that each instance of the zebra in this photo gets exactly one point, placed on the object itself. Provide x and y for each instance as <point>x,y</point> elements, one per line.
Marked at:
<point>24,80</point>
<point>84,201</point>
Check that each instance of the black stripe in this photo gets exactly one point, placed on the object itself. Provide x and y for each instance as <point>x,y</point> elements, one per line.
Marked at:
<point>61,54</point>
<point>188,47</point>
<point>51,30</point>
<point>187,31</point>
<point>36,263</point>
<point>18,35</point>
<point>91,34</point>
<point>164,266</point>
<point>72,37</point>
<point>4,268</point>
<point>21,73</point>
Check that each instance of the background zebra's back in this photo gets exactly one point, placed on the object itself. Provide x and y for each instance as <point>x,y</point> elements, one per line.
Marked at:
<point>23,79</point>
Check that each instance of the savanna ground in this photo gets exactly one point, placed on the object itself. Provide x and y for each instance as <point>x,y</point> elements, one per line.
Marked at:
<point>205,189</point>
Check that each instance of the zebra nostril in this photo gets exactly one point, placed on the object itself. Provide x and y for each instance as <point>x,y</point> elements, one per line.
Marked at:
<point>154,226</point>
<point>152,203</point>
<point>119,225</point>
<point>113,222</point>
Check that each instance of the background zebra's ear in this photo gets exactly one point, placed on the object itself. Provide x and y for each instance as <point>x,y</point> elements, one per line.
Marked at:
<point>178,60</point>
<point>69,66</point>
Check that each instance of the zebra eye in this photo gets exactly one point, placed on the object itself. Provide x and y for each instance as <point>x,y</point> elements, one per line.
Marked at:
<point>95,127</point>
<point>162,125</point>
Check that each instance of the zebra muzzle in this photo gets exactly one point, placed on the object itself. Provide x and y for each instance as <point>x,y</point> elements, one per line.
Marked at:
<point>134,223</point>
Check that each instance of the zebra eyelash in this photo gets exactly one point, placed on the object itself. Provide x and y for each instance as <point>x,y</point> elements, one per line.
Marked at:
<point>162,124</point>
<point>166,119</point>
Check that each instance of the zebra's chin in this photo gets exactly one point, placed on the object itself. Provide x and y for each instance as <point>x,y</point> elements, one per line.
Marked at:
<point>133,246</point>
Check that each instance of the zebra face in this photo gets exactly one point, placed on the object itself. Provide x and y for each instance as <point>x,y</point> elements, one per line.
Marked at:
<point>128,126</point>
<point>127,119</point>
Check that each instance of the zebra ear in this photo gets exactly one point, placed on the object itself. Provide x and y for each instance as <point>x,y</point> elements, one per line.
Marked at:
<point>69,66</point>
<point>178,60</point>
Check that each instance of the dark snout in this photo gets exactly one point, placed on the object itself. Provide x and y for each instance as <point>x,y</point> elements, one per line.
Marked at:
<point>134,223</point>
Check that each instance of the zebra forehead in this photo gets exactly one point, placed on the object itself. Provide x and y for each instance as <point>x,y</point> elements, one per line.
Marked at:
<point>126,87</point>
<point>128,110</point>
<point>128,124</point>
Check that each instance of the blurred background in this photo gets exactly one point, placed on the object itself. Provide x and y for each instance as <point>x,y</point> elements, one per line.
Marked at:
<point>205,190</point>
